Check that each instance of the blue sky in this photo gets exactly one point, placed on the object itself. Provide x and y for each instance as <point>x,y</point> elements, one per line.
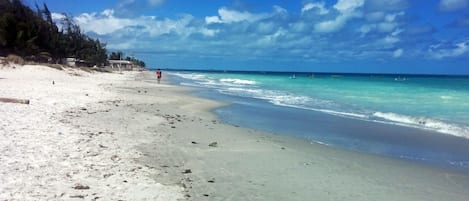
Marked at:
<point>392,36</point>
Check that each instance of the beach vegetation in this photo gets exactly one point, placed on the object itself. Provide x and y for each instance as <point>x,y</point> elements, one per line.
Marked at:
<point>11,58</point>
<point>34,36</point>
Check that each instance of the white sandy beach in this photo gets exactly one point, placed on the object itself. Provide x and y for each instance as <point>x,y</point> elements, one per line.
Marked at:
<point>45,157</point>
<point>104,136</point>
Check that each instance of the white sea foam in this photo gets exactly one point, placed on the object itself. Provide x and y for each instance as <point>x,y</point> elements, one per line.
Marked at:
<point>191,76</point>
<point>426,123</point>
<point>320,142</point>
<point>446,97</point>
<point>290,100</point>
<point>347,114</point>
<point>243,92</point>
<point>238,81</point>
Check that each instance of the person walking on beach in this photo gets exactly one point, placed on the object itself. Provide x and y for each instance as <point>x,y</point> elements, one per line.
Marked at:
<point>158,75</point>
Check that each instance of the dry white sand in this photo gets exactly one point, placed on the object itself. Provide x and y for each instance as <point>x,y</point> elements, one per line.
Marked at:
<point>45,157</point>
<point>126,137</point>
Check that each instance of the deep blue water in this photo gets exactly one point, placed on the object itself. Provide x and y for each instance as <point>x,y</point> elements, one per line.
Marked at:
<point>423,118</point>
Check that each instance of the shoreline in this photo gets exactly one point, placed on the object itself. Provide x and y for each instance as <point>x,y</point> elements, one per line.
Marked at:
<point>360,134</point>
<point>127,137</point>
<point>248,164</point>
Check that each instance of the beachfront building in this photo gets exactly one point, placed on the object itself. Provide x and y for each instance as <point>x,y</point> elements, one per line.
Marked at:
<point>122,64</point>
<point>73,62</point>
<point>113,64</point>
<point>70,61</point>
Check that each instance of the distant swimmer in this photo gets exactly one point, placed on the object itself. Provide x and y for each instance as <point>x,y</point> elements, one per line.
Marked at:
<point>158,75</point>
<point>293,76</point>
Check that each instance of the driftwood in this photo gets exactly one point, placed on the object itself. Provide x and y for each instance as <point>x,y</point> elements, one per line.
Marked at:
<point>14,100</point>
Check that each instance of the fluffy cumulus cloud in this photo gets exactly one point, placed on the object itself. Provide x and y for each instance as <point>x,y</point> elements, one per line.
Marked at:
<point>57,16</point>
<point>345,30</point>
<point>106,22</point>
<point>318,6</point>
<point>347,9</point>
<point>228,16</point>
<point>453,5</point>
<point>103,23</point>
<point>441,51</point>
<point>348,6</point>
<point>397,53</point>
<point>381,22</point>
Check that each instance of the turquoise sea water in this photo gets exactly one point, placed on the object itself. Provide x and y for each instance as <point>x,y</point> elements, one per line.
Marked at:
<point>438,104</point>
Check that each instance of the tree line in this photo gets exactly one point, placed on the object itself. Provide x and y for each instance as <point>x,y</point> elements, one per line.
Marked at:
<point>33,35</point>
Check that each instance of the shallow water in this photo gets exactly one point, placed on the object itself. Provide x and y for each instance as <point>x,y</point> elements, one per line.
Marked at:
<point>413,117</point>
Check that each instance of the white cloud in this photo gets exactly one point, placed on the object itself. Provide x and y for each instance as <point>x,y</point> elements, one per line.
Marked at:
<point>348,6</point>
<point>108,12</point>
<point>396,32</point>
<point>331,25</point>
<point>103,23</point>
<point>270,40</point>
<point>384,23</point>
<point>390,40</point>
<point>392,17</point>
<point>375,16</point>
<point>366,28</point>
<point>347,10</point>
<point>212,19</point>
<point>230,16</point>
<point>106,23</point>
<point>57,16</point>
<point>209,32</point>
<point>266,27</point>
<point>316,5</point>
<point>458,49</point>
<point>397,53</point>
<point>386,26</point>
<point>453,5</point>
<point>279,9</point>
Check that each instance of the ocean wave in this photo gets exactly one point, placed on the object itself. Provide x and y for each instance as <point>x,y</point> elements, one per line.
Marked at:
<point>347,114</point>
<point>281,98</point>
<point>464,164</point>
<point>238,81</point>
<point>320,142</point>
<point>250,89</point>
<point>275,97</point>
<point>308,103</point>
<point>446,97</point>
<point>426,123</point>
<point>206,80</point>
<point>190,76</point>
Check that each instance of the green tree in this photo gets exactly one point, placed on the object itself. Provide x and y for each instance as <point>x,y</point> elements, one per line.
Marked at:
<point>116,55</point>
<point>35,35</point>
